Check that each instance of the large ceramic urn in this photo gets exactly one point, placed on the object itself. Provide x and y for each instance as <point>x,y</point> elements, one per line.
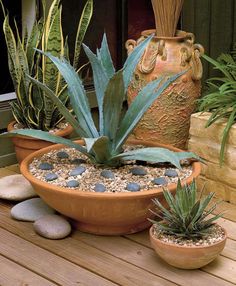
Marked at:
<point>168,119</point>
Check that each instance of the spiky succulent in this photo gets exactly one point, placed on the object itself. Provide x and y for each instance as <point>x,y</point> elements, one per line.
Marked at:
<point>32,108</point>
<point>104,145</point>
<point>185,215</point>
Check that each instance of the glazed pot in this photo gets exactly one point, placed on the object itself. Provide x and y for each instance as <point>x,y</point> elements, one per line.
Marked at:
<point>186,257</point>
<point>100,213</point>
<point>168,119</point>
<point>26,145</point>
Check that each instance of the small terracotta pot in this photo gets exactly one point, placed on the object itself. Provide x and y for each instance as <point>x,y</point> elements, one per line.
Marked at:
<point>26,145</point>
<point>101,213</point>
<point>186,257</point>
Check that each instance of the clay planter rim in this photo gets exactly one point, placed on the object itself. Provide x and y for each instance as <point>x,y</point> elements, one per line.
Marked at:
<point>181,35</point>
<point>25,171</point>
<point>62,133</point>
<point>151,233</point>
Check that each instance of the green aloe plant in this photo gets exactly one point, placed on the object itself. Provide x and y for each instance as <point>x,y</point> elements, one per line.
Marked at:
<point>186,215</point>
<point>33,108</point>
<point>104,145</point>
<point>220,99</point>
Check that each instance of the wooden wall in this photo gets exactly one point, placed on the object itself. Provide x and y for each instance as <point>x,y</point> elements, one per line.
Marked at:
<point>214,24</point>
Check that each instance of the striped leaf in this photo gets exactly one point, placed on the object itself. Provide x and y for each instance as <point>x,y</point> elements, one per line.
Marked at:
<point>81,30</point>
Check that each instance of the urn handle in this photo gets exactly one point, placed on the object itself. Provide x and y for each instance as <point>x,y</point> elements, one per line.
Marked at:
<point>196,63</point>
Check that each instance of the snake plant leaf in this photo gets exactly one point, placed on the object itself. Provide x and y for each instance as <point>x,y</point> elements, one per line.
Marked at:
<point>156,155</point>
<point>105,57</point>
<point>81,30</point>
<point>100,79</point>
<point>43,135</point>
<point>64,111</point>
<point>100,147</point>
<point>17,113</point>
<point>78,96</point>
<point>133,59</point>
<point>113,102</point>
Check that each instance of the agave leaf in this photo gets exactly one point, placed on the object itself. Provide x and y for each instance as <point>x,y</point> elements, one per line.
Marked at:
<point>64,111</point>
<point>78,97</point>
<point>81,30</point>
<point>105,57</point>
<point>139,106</point>
<point>156,155</point>
<point>113,102</point>
<point>133,59</point>
<point>100,147</point>
<point>100,80</point>
<point>171,202</point>
<point>43,135</point>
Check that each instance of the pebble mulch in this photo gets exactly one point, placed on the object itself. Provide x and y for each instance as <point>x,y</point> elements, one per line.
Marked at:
<point>216,234</point>
<point>75,172</point>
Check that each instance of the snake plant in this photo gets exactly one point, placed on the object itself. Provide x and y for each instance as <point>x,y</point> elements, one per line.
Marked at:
<point>186,215</point>
<point>33,108</point>
<point>220,98</point>
<point>103,145</point>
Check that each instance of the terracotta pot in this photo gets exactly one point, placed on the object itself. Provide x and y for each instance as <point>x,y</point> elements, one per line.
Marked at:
<point>186,257</point>
<point>168,119</point>
<point>26,145</point>
<point>100,213</point>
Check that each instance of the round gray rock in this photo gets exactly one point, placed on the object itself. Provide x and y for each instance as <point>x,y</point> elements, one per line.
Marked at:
<point>52,227</point>
<point>16,188</point>
<point>31,210</point>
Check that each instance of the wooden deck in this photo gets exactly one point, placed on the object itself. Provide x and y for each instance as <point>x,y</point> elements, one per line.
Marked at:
<point>83,259</point>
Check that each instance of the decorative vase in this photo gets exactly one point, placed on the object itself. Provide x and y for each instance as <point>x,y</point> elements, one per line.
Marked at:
<point>166,56</point>
<point>101,213</point>
<point>186,257</point>
<point>26,145</point>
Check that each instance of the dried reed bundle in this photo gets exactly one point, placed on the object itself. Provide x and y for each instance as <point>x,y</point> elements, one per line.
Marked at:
<point>167,14</point>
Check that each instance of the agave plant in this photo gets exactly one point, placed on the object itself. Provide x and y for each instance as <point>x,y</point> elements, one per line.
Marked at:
<point>186,215</point>
<point>104,145</point>
<point>33,109</point>
<point>220,99</point>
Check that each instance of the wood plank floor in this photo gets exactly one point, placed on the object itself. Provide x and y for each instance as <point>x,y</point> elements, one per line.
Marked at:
<point>83,259</point>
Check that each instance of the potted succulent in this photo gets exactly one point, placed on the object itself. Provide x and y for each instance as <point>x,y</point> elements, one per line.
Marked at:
<point>183,234</point>
<point>214,127</point>
<point>32,108</point>
<point>96,183</point>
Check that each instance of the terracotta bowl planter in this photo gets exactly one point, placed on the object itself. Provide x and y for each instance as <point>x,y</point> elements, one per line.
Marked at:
<point>186,257</point>
<point>26,145</point>
<point>100,213</point>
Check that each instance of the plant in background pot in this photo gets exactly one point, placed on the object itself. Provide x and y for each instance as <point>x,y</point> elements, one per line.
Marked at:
<point>102,185</point>
<point>170,51</point>
<point>184,233</point>
<point>33,108</point>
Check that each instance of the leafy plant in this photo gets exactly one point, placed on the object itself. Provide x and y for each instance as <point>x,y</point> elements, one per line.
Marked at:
<point>220,99</point>
<point>186,215</point>
<point>33,108</point>
<point>104,145</point>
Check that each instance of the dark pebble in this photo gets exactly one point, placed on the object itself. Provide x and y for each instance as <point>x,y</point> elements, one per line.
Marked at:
<point>171,173</point>
<point>45,166</point>
<point>159,181</point>
<point>62,155</point>
<point>51,177</point>
<point>133,187</point>
<point>99,188</point>
<point>72,184</point>
<point>77,171</point>
<point>107,174</point>
<point>138,171</point>
<point>78,161</point>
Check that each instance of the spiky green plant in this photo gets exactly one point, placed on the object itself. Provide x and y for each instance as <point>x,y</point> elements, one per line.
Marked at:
<point>185,215</point>
<point>220,98</point>
<point>33,109</point>
<point>104,145</point>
